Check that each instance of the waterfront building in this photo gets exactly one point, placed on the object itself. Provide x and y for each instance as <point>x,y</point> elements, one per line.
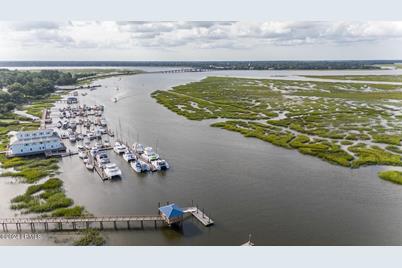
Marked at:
<point>72,100</point>
<point>171,213</point>
<point>35,142</point>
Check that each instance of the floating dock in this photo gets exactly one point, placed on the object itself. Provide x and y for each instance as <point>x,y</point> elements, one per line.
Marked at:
<point>199,215</point>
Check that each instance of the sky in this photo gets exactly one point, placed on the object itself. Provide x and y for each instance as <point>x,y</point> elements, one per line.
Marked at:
<point>200,40</point>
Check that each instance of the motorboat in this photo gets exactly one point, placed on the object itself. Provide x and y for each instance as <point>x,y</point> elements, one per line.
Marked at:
<point>119,148</point>
<point>98,145</point>
<point>102,159</point>
<point>160,164</point>
<point>59,124</point>
<point>94,152</point>
<point>72,137</point>
<point>106,143</point>
<point>103,123</point>
<point>87,143</point>
<point>115,99</point>
<point>136,166</point>
<point>91,135</point>
<point>112,170</point>
<point>149,154</point>
<point>89,166</point>
<point>82,154</point>
<point>138,148</point>
<point>128,156</point>
<point>144,166</point>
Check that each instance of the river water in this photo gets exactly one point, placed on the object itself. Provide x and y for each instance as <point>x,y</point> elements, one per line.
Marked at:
<point>247,186</point>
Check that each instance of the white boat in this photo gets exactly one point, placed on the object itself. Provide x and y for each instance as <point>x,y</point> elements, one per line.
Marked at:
<point>91,135</point>
<point>87,143</point>
<point>103,123</point>
<point>84,93</point>
<point>128,156</point>
<point>82,154</point>
<point>94,152</point>
<point>59,125</point>
<point>112,170</point>
<point>106,143</point>
<point>160,164</point>
<point>89,166</point>
<point>119,148</point>
<point>72,137</point>
<point>138,148</point>
<point>136,166</point>
<point>144,166</point>
<point>85,159</point>
<point>102,160</point>
<point>149,154</point>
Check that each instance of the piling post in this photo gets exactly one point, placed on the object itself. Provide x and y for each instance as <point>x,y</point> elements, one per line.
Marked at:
<point>60,226</point>
<point>155,224</point>
<point>115,226</point>
<point>203,214</point>
<point>87,224</point>
<point>142,224</point>
<point>101,225</point>
<point>74,226</point>
<point>4,228</point>
<point>46,226</point>
<point>192,203</point>
<point>32,227</point>
<point>128,225</point>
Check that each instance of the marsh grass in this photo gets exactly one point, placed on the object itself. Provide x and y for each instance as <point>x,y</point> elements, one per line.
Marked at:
<point>393,176</point>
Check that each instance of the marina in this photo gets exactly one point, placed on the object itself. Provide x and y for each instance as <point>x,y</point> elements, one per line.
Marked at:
<point>237,179</point>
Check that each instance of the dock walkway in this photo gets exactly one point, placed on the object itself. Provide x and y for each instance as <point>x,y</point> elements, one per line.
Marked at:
<point>199,215</point>
<point>74,223</point>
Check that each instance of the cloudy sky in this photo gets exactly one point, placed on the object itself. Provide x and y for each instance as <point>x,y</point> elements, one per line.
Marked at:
<point>271,40</point>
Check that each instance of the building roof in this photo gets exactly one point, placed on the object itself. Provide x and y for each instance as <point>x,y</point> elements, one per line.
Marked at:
<point>171,211</point>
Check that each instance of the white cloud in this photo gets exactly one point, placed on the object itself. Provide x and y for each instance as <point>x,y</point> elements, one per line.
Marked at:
<point>192,38</point>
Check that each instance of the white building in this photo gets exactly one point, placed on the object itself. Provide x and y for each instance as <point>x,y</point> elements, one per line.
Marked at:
<point>35,142</point>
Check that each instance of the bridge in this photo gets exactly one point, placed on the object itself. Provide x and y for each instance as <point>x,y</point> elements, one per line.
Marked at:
<point>183,70</point>
<point>73,224</point>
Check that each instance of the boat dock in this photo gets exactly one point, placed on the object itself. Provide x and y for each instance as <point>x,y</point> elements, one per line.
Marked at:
<point>199,215</point>
<point>73,224</point>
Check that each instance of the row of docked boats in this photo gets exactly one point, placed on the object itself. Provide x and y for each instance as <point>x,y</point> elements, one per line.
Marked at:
<point>100,159</point>
<point>141,159</point>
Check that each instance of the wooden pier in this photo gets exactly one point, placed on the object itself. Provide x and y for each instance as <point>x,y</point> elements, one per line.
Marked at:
<point>73,224</point>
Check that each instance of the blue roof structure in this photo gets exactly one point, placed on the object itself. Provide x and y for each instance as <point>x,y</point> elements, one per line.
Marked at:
<point>171,211</point>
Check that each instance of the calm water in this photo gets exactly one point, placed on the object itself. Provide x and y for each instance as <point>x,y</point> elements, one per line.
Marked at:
<point>248,186</point>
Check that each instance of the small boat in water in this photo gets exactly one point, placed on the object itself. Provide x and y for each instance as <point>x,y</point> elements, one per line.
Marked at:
<point>114,99</point>
<point>119,148</point>
<point>106,143</point>
<point>82,154</point>
<point>136,165</point>
<point>144,166</point>
<point>89,166</point>
<point>138,148</point>
<point>128,156</point>
<point>149,154</point>
<point>112,170</point>
<point>160,164</point>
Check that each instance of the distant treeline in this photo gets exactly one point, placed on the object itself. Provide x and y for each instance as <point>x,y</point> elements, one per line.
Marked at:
<point>226,65</point>
<point>21,87</point>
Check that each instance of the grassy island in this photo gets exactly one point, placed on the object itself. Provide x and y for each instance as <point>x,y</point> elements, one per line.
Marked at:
<point>347,124</point>
<point>391,175</point>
